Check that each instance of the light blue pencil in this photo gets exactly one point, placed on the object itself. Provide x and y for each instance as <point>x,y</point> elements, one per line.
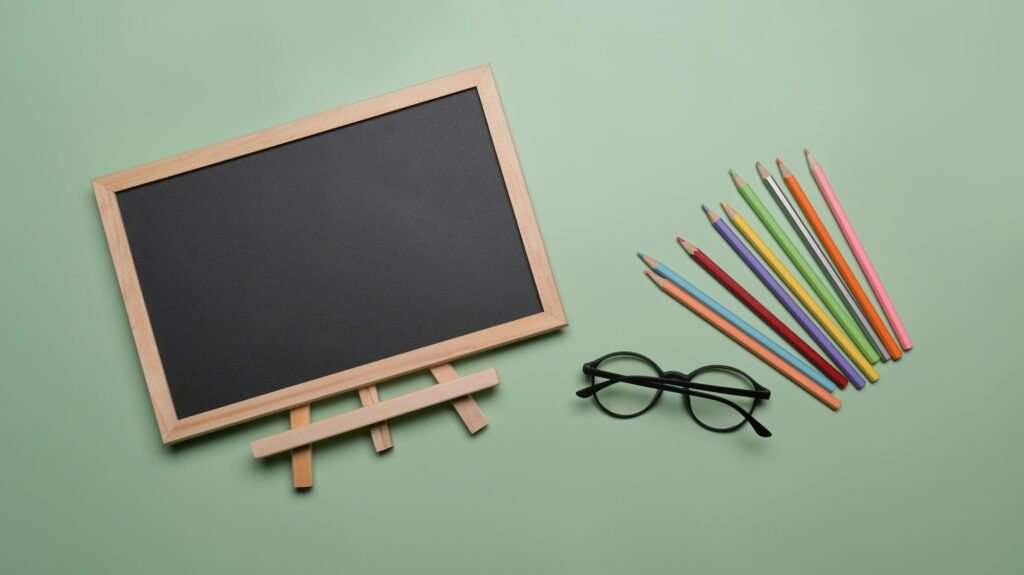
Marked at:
<point>667,273</point>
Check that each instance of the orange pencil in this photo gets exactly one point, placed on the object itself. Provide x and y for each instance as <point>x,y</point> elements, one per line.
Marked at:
<point>706,313</point>
<point>837,257</point>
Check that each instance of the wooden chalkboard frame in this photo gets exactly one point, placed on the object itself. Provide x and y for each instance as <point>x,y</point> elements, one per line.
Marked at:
<point>173,429</point>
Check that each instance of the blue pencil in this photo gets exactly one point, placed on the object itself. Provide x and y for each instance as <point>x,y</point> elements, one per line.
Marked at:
<point>785,299</point>
<point>665,272</point>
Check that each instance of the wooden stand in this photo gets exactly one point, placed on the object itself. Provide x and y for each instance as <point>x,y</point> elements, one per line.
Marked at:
<point>302,457</point>
<point>376,413</point>
<point>380,433</point>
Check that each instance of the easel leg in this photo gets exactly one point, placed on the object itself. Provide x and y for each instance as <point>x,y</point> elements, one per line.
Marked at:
<point>380,433</point>
<point>302,457</point>
<point>466,406</point>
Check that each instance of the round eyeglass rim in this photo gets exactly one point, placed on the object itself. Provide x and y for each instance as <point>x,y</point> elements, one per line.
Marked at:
<point>634,355</point>
<point>708,368</point>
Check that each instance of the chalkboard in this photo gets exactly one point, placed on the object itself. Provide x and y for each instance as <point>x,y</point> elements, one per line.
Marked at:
<point>334,251</point>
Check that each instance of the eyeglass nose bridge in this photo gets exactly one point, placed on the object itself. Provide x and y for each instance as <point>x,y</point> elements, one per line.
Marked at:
<point>676,375</point>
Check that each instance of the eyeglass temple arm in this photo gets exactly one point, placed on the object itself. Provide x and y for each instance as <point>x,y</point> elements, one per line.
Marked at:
<point>643,382</point>
<point>758,428</point>
<point>666,384</point>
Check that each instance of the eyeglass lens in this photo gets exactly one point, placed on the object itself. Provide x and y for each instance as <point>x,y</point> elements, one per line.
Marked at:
<point>622,399</point>
<point>716,415</point>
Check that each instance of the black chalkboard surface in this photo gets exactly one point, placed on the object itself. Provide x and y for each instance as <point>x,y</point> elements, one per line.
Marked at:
<point>328,254</point>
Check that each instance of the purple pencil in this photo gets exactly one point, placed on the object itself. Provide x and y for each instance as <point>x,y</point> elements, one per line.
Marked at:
<point>785,299</point>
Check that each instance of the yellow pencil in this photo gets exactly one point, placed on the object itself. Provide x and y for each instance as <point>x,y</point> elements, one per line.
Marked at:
<point>801,294</point>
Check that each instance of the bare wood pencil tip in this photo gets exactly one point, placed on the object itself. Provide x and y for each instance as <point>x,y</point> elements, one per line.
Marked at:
<point>711,215</point>
<point>653,277</point>
<point>782,168</point>
<point>686,246</point>
<point>728,210</point>
<point>810,158</point>
<point>648,259</point>
<point>736,179</point>
<point>763,171</point>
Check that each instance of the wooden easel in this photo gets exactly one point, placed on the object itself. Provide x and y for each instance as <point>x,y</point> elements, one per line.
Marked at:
<point>471,92</point>
<point>380,433</point>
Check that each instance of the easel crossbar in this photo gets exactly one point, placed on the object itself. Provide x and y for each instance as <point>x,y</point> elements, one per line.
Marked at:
<point>376,413</point>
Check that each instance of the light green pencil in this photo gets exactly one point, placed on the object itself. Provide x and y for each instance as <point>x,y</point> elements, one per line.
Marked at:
<point>837,310</point>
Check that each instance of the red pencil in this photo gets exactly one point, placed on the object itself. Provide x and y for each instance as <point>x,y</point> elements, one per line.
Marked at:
<point>762,312</point>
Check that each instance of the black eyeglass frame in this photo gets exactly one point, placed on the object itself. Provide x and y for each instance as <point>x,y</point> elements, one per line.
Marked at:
<point>677,382</point>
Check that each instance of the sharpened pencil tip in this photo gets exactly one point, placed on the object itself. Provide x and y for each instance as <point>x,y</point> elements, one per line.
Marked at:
<point>763,171</point>
<point>705,208</point>
<point>782,168</point>
<point>810,158</point>
<point>737,180</point>
<point>654,278</point>
<point>711,215</point>
<point>648,259</point>
<point>686,245</point>
<point>728,210</point>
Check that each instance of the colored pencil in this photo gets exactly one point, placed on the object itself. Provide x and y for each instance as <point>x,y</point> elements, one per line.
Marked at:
<point>765,314</point>
<point>801,294</point>
<point>858,252</point>
<point>667,273</point>
<point>806,270</point>
<point>826,264</point>
<point>887,347</point>
<point>745,340</point>
<point>787,302</point>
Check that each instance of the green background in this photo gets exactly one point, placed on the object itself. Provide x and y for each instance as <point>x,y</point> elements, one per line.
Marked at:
<point>626,118</point>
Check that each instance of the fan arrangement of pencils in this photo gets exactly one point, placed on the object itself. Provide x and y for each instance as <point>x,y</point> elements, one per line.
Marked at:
<point>850,335</point>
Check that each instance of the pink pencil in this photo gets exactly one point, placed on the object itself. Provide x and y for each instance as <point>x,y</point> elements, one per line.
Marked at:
<point>858,252</point>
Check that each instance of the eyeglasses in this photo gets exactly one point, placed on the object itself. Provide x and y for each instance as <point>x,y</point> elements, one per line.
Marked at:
<point>702,391</point>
